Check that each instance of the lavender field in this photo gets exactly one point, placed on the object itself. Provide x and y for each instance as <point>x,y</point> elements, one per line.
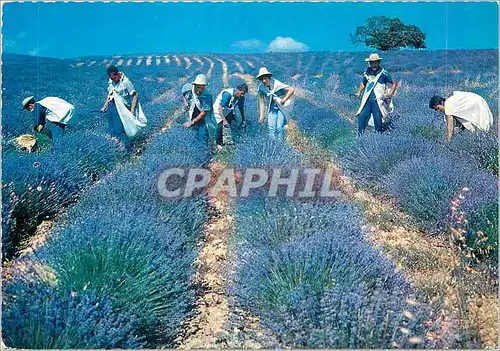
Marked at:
<point>406,257</point>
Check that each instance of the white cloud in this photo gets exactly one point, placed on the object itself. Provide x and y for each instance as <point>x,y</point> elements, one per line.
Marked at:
<point>38,50</point>
<point>34,52</point>
<point>8,43</point>
<point>248,44</point>
<point>286,44</point>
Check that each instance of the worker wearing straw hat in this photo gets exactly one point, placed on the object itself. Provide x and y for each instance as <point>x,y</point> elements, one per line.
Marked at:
<point>199,103</point>
<point>279,106</point>
<point>51,115</point>
<point>376,102</point>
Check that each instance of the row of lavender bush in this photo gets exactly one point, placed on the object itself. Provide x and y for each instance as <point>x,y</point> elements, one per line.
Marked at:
<point>305,269</point>
<point>119,269</point>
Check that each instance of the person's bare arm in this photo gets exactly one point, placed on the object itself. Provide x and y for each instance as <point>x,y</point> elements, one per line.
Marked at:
<point>394,86</point>
<point>360,89</point>
<point>289,92</point>
<point>185,102</point>
<point>106,104</point>
<point>135,99</point>
<point>197,118</point>
<point>224,121</point>
<point>262,109</point>
<point>449,127</point>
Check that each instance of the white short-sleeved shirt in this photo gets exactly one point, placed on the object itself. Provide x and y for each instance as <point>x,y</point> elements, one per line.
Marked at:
<point>279,92</point>
<point>124,88</point>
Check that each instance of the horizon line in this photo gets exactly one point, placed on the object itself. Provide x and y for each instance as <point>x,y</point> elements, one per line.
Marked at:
<point>242,54</point>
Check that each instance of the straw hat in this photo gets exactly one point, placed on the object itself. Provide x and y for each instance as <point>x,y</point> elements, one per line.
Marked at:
<point>27,101</point>
<point>200,79</point>
<point>263,72</point>
<point>26,141</point>
<point>373,57</point>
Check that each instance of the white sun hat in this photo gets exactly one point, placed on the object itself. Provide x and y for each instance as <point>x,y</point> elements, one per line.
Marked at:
<point>263,72</point>
<point>373,57</point>
<point>200,79</point>
<point>26,101</point>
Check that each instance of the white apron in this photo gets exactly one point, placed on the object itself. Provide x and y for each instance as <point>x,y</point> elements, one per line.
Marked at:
<point>58,110</point>
<point>209,118</point>
<point>285,108</point>
<point>470,109</point>
<point>380,94</point>
<point>195,102</point>
<point>218,117</point>
<point>132,123</point>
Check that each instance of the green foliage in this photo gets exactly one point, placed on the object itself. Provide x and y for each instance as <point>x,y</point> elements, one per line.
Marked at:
<point>287,275</point>
<point>337,138</point>
<point>383,33</point>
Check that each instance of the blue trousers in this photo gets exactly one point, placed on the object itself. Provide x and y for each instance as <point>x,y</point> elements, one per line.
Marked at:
<point>233,125</point>
<point>201,132</point>
<point>371,107</point>
<point>54,130</point>
<point>276,122</point>
<point>115,126</point>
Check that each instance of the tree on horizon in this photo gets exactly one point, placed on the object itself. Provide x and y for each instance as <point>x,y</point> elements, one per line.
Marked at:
<point>383,33</point>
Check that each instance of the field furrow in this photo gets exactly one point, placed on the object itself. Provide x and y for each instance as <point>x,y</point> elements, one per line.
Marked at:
<point>250,64</point>
<point>188,62</point>
<point>211,65</point>
<point>225,72</point>
<point>199,61</point>
<point>177,60</point>
<point>209,326</point>
<point>239,67</point>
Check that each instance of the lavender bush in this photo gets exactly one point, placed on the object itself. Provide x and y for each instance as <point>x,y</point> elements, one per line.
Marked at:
<point>301,263</point>
<point>134,260</point>
<point>267,153</point>
<point>483,220</point>
<point>35,187</point>
<point>362,318</point>
<point>95,154</point>
<point>480,147</point>
<point>284,220</point>
<point>39,316</point>
<point>327,127</point>
<point>425,187</point>
<point>375,155</point>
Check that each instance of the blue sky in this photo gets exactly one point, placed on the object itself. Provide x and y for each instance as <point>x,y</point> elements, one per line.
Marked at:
<point>79,29</point>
